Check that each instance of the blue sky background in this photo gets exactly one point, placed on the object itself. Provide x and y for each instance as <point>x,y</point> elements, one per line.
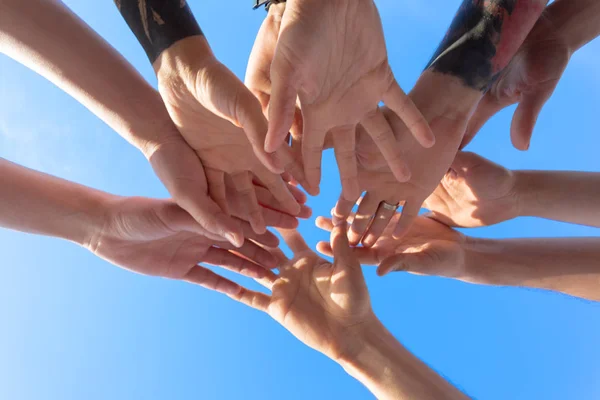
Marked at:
<point>75,327</point>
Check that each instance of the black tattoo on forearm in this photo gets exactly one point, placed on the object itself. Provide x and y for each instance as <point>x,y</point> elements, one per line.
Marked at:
<point>483,38</point>
<point>158,24</point>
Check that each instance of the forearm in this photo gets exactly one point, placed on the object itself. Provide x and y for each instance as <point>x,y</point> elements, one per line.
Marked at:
<point>560,196</point>
<point>159,24</point>
<point>37,203</point>
<point>483,38</point>
<point>567,265</point>
<point>577,21</point>
<point>47,37</point>
<point>391,372</point>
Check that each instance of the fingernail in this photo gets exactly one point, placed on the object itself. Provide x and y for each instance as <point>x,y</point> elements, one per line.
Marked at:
<point>233,240</point>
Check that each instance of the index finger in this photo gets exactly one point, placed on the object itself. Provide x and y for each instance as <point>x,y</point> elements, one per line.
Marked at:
<point>294,240</point>
<point>340,245</point>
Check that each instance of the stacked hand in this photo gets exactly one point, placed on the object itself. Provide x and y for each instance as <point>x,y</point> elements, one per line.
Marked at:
<point>207,103</point>
<point>330,59</point>
<point>435,94</point>
<point>529,80</point>
<point>157,237</point>
<point>324,305</point>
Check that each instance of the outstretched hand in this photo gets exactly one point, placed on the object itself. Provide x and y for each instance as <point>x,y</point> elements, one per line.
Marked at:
<point>430,248</point>
<point>331,56</point>
<point>324,305</point>
<point>158,238</point>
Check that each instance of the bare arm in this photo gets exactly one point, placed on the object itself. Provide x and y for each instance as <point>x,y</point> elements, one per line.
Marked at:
<point>391,372</point>
<point>34,202</point>
<point>567,265</point>
<point>47,37</point>
<point>483,38</point>
<point>560,196</point>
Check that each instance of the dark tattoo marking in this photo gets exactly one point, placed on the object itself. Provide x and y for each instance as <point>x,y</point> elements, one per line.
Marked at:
<point>158,24</point>
<point>469,48</point>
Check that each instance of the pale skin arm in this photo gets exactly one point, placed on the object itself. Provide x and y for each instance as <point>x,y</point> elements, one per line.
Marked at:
<point>560,196</point>
<point>37,203</point>
<point>567,265</point>
<point>391,372</point>
<point>48,38</point>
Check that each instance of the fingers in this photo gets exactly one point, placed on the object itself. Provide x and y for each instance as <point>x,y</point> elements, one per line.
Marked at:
<point>283,100</point>
<point>343,209</point>
<point>407,111</point>
<point>344,145</point>
<point>182,173</point>
<point>245,188</point>
<point>381,132</point>
<point>257,300</point>
<point>216,187</point>
<point>312,152</point>
<point>224,259</point>
<point>250,116</point>
<point>209,280</point>
<point>526,116</point>
<point>267,239</point>
<point>385,212</point>
<point>279,190</point>
<point>364,255</point>
<point>410,212</point>
<point>342,253</point>
<point>366,210</point>
<point>294,240</point>
<point>257,254</point>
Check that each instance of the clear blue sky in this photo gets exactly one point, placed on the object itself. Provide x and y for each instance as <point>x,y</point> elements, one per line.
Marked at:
<point>75,327</point>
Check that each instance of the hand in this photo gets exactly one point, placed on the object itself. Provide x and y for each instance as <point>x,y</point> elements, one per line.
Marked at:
<point>529,80</point>
<point>436,95</point>
<point>158,238</point>
<point>475,192</point>
<point>207,103</point>
<point>273,213</point>
<point>332,57</point>
<point>430,248</point>
<point>325,306</point>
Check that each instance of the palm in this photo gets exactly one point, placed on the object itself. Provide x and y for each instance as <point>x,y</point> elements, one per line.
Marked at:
<point>223,147</point>
<point>317,302</point>
<point>331,56</point>
<point>529,80</point>
<point>475,192</point>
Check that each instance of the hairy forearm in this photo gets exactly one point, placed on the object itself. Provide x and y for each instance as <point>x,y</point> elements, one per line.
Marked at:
<point>34,202</point>
<point>560,196</point>
<point>391,372</point>
<point>158,24</point>
<point>483,38</point>
<point>577,21</point>
<point>567,265</point>
<point>47,37</point>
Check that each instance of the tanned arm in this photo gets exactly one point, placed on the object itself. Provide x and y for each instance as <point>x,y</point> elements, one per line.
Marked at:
<point>483,38</point>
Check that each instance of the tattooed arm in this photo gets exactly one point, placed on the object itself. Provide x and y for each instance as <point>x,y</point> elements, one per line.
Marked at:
<point>483,38</point>
<point>194,84</point>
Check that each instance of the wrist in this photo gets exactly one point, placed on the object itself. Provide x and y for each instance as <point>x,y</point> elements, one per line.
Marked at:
<point>526,190</point>
<point>363,344</point>
<point>183,57</point>
<point>92,215</point>
<point>453,99</point>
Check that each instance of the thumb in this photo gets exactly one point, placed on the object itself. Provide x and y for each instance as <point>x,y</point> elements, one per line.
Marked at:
<point>525,118</point>
<point>282,109</point>
<point>405,262</point>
